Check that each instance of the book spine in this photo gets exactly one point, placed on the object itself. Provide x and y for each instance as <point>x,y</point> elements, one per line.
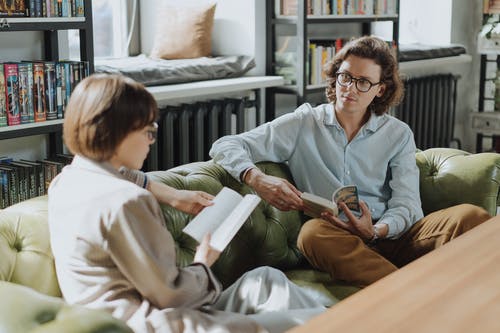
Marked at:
<point>80,8</point>
<point>12,93</point>
<point>39,92</point>
<point>26,92</point>
<point>3,99</point>
<point>60,90</point>
<point>4,189</point>
<point>50,90</point>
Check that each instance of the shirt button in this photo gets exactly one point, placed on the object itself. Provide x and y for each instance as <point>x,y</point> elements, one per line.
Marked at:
<point>348,172</point>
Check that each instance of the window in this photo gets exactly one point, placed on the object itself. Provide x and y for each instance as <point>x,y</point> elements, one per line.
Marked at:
<point>109,25</point>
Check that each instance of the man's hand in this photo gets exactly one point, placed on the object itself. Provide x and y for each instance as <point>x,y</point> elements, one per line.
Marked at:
<point>362,226</point>
<point>205,254</point>
<point>277,191</point>
<point>191,202</point>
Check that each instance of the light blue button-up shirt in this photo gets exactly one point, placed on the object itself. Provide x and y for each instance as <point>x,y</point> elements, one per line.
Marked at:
<point>380,160</point>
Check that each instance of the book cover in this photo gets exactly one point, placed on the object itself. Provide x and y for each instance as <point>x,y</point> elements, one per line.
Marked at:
<point>39,174</point>
<point>50,90</point>
<point>13,183</point>
<point>80,8</point>
<point>26,92</point>
<point>314,205</point>
<point>39,92</point>
<point>12,93</point>
<point>223,219</point>
<point>60,90</point>
<point>13,8</point>
<point>3,99</point>
<point>28,180</point>
<point>4,189</point>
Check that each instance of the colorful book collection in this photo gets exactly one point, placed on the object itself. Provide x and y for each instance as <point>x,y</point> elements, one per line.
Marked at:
<point>36,91</point>
<point>42,8</point>
<point>339,7</point>
<point>319,54</point>
<point>25,179</point>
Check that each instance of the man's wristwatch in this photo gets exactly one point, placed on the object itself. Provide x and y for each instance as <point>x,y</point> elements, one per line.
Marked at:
<point>375,237</point>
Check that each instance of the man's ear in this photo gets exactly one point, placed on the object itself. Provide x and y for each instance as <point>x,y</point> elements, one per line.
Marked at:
<point>381,90</point>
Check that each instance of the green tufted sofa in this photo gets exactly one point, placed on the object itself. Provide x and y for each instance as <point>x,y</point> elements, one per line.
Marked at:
<point>30,297</point>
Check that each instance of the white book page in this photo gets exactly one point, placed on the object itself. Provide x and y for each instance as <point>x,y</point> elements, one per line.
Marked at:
<point>228,229</point>
<point>211,217</point>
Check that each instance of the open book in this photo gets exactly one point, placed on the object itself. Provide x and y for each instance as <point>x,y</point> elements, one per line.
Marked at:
<point>223,219</point>
<point>314,205</point>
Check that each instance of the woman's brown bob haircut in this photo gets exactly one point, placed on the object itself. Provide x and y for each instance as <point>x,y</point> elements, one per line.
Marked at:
<point>379,51</point>
<point>102,111</point>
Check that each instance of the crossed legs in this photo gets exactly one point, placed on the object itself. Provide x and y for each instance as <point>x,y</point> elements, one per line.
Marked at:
<point>346,257</point>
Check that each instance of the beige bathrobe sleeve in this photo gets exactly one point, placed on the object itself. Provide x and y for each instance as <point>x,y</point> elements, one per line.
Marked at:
<point>144,252</point>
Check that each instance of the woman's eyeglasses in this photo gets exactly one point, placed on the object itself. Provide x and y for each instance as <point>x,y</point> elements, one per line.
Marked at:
<point>363,85</point>
<point>152,132</point>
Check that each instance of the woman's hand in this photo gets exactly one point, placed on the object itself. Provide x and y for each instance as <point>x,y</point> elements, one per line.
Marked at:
<point>191,202</point>
<point>277,191</point>
<point>362,226</point>
<point>204,253</point>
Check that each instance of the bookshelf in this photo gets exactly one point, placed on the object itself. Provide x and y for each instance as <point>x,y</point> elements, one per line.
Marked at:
<point>24,179</point>
<point>309,26</point>
<point>50,27</point>
<point>486,121</point>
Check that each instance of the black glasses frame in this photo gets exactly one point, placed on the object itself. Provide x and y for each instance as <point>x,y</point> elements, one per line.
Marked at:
<point>356,80</point>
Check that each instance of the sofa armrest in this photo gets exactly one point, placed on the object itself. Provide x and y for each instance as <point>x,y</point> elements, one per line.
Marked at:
<point>450,177</point>
<point>22,309</point>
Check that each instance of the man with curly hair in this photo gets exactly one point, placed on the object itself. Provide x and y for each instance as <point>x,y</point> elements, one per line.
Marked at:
<point>350,140</point>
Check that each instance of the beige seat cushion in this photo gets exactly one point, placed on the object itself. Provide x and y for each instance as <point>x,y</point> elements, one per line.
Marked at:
<point>184,31</point>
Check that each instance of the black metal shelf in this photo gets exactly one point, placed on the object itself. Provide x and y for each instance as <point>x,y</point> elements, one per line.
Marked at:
<point>42,23</point>
<point>321,19</point>
<point>297,26</point>
<point>45,127</point>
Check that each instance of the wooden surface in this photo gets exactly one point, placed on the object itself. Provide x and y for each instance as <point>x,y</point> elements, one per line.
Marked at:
<point>455,288</point>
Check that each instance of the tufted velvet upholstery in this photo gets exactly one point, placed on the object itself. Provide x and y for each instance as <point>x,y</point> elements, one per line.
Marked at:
<point>448,177</point>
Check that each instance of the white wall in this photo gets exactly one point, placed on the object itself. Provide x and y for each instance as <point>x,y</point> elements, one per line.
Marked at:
<point>425,21</point>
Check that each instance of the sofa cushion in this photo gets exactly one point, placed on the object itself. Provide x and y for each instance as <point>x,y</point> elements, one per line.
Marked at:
<point>25,248</point>
<point>450,177</point>
<point>24,310</point>
<point>183,31</point>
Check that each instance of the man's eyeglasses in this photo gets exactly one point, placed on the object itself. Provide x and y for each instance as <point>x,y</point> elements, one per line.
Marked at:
<point>363,85</point>
<point>152,132</point>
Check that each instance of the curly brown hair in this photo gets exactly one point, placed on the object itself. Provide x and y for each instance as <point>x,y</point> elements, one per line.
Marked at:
<point>374,48</point>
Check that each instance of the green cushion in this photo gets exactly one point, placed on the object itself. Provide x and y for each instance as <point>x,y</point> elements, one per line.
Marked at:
<point>24,310</point>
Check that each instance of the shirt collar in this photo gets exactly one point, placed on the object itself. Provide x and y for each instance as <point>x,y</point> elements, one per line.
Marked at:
<point>372,125</point>
<point>94,166</point>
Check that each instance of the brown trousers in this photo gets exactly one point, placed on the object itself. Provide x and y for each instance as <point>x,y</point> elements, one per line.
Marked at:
<point>346,257</point>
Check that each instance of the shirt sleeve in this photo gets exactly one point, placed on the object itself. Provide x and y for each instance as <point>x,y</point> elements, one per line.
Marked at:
<point>135,176</point>
<point>404,206</point>
<point>144,251</point>
<point>274,141</point>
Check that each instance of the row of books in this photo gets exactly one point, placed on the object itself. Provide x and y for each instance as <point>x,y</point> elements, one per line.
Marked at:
<point>25,179</point>
<point>339,7</point>
<point>36,91</point>
<point>42,8</point>
<point>320,52</point>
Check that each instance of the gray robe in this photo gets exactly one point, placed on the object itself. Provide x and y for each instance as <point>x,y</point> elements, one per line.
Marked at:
<point>113,252</point>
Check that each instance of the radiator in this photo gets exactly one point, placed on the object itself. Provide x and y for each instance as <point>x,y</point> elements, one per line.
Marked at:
<point>429,109</point>
<point>186,132</point>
